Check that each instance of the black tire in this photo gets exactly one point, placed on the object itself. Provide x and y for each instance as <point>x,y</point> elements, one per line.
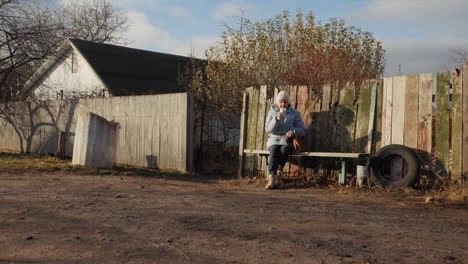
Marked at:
<point>384,167</point>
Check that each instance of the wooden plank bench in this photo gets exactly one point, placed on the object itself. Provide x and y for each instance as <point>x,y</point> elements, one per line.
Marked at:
<point>342,156</point>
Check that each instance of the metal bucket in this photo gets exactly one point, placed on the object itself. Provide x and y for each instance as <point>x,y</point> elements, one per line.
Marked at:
<point>362,172</point>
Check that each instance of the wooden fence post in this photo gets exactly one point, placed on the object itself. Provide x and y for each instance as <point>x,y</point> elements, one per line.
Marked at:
<point>465,121</point>
<point>243,126</point>
<point>457,123</point>
<point>442,123</point>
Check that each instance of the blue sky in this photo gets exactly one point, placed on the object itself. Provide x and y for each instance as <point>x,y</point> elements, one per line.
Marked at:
<point>417,34</point>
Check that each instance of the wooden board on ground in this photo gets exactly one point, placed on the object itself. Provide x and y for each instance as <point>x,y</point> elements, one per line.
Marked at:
<point>457,122</point>
<point>398,113</point>
<point>425,117</point>
<point>442,123</point>
<point>411,112</point>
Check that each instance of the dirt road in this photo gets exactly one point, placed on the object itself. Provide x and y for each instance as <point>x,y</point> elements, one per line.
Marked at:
<point>61,218</point>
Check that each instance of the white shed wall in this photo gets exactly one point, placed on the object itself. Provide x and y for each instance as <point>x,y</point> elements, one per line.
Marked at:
<point>84,82</point>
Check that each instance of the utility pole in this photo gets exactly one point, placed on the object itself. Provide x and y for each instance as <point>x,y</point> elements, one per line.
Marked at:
<point>399,70</point>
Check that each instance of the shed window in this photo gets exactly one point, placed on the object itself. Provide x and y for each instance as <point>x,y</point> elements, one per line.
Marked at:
<point>74,62</point>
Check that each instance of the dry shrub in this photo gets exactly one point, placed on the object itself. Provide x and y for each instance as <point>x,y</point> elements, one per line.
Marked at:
<point>447,189</point>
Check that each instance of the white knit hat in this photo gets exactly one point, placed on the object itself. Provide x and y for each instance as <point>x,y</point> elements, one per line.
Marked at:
<point>282,95</point>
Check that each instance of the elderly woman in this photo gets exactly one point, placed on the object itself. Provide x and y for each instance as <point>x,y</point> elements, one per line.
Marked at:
<point>282,123</point>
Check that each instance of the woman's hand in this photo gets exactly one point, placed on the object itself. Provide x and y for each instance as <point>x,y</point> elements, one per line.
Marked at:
<point>279,115</point>
<point>290,134</point>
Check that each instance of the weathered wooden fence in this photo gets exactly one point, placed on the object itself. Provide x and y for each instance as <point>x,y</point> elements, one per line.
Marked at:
<point>426,112</point>
<point>154,130</point>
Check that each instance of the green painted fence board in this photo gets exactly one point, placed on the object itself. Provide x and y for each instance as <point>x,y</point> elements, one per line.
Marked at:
<point>442,123</point>
<point>465,122</point>
<point>457,121</point>
<point>261,124</point>
<point>362,124</point>
<point>251,127</point>
<point>372,113</point>
<point>378,123</point>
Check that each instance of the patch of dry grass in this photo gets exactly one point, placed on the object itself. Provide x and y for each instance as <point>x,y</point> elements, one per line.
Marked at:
<point>20,162</point>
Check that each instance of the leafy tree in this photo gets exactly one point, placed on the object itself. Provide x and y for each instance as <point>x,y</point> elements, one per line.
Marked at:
<point>281,51</point>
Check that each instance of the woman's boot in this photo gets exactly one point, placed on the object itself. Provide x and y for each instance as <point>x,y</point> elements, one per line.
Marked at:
<point>270,179</point>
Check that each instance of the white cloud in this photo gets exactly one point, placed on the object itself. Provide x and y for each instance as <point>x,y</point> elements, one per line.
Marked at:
<point>201,43</point>
<point>420,10</point>
<point>135,4</point>
<point>426,17</point>
<point>419,56</point>
<point>228,10</point>
<point>145,35</point>
<point>179,12</point>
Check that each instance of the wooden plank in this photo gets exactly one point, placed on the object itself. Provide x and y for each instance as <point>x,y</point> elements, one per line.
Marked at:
<point>313,125</point>
<point>372,111</point>
<point>442,123</point>
<point>243,127</point>
<point>398,114</point>
<point>425,118</point>
<point>465,122</point>
<point>156,141</point>
<point>303,103</point>
<point>362,122</point>
<point>387,110</point>
<point>302,100</point>
<point>457,124</point>
<point>379,117</point>
<point>261,124</point>
<point>325,140</point>
<point>252,126</point>
<point>293,96</point>
<point>269,102</point>
<point>190,132</point>
<point>346,116</point>
<point>314,154</point>
<point>411,112</point>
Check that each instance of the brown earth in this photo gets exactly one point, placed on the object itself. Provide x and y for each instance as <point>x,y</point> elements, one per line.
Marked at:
<point>60,217</point>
